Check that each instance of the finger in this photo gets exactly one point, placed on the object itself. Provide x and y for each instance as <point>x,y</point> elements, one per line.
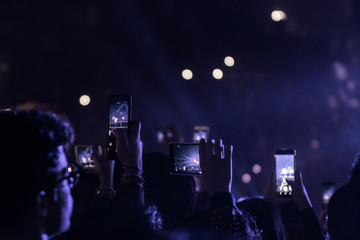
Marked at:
<point>95,158</point>
<point>228,159</point>
<point>272,175</point>
<point>202,153</point>
<point>218,148</point>
<point>296,181</point>
<point>222,151</point>
<point>121,143</point>
<point>103,151</point>
<point>229,154</point>
<point>209,148</point>
<point>298,177</point>
<point>134,131</point>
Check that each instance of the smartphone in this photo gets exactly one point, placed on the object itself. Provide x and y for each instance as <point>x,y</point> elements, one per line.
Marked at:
<point>200,132</point>
<point>284,170</point>
<point>184,158</point>
<point>83,155</point>
<point>119,115</point>
<point>328,189</point>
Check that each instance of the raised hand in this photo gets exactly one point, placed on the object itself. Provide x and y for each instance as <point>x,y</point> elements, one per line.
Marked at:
<point>216,166</point>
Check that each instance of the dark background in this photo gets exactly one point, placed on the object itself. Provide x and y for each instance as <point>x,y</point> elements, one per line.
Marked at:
<point>295,83</point>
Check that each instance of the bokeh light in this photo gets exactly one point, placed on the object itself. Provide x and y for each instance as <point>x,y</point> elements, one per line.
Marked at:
<point>84,100</point>
<point>229,61</point>
<point>315,144</point>
<point>217,73</point>
<point>4,67</point>
<point>187,74</point>
<point>278,15</point>
<point>246,178</point>
<point>256,168</point>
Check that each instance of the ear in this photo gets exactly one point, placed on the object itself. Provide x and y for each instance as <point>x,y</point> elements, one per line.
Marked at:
<point>42,204</point>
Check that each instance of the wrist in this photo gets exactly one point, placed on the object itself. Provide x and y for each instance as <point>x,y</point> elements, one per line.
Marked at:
<point>105,191</point>
<point>132,175</point>
<point>106,182</point>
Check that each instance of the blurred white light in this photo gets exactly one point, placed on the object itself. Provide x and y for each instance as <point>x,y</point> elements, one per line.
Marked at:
<point>332,102</point>
<point>246,178</point>
<point>229,61</point>
<point>315,144</point>
<point>353,102</point>
<point>217,73</point>
<point>256,168</point>
<point>340,70</point>
<point>187,74</point>
<point>351,85</point>
<point>278,15</point>
<point>84,100</point>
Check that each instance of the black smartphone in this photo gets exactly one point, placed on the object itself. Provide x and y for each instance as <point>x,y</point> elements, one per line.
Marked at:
<point>184,159</point>
<point>119,116</point>
<point>200,132</point>
<point>328,189</point>
<point>83,155</point>
<point>284,170</point>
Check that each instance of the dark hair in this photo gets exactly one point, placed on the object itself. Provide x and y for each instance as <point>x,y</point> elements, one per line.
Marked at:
<point>172,195</point>
<point>355,177</point>
<point>52,109</point>
<point>28,147</point>
<point>267,217</point>
<point>355,186</point>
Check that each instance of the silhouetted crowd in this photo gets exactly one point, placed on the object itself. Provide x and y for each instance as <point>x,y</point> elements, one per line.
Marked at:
<point>43,196</point>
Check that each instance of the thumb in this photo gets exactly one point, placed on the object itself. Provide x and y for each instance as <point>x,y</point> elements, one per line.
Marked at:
<point>298,177</point>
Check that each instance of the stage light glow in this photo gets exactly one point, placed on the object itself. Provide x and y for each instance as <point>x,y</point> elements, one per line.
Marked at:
<point>315,144</point>
<point>246,178</point>
<point>4,67</point>
<point>229,61</point>
<point>256,168</point>
<point>340,70</point>
<point>217,73</point>
<point>84,100</point>
<point>187,74</point>
<point>278,15</point>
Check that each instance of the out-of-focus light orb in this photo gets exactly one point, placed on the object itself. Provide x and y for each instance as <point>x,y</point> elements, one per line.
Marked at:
<point>217,73</point>
<point>229,61</point>
<point>4,67</point>
<point>278,15</point>
<point>256,168</point>
<point>315,144</point>
<point>354,102</point>
<point>246,178</point>
<point>84,100</point>
<point>340,70</point>
<point>187,74</point>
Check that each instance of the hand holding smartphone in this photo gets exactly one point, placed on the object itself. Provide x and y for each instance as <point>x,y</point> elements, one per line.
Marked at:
<point>119,115</point>
<point>185,159</point>
<point>284,171</point>
<point>83,155</point>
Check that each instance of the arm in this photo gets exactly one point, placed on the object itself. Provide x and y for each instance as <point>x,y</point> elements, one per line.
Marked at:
<point>105,170</point>
<point>312,227</point>
<point>129,151</point>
